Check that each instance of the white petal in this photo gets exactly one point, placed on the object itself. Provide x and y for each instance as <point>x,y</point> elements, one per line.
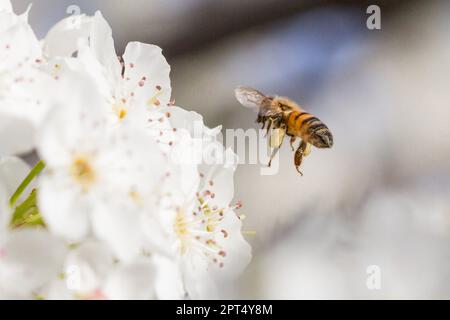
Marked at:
<point>102,44</point>
<point>18,45</point>
<point>75,34</point>
<point>199,283</point>
<point>87,265</point>
<point>57,290</point>
<point>16,135</point>
<point>218,180</point>
<point>5,211</point>
<point>65,210</point>
<point>85,269</point>
<point>29,259</point>
<point>5,5</point>
<point>168,281</point>
<point>238,251</point>
<point>155,231</point>
<point>7,20</point>
<point>203,278</point>
<point>65,37</point>
<point>13,171</point>
<point>133,281</point>
<point>116,221</point>
<point>187,120</point>
<point>147,75</point>
<point>134,161</point>
<point>75,124</point>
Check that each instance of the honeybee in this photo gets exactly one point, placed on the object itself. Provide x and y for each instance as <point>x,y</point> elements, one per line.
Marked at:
<point>285,117</point>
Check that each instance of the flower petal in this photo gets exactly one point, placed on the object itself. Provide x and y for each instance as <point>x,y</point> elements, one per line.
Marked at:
<point>64,211</point>
<point>132,281</point>
<point>5,211</point>
<point>76,120</point>
<point>88,264</point>
<point>73,34</point>
<point>65,37</point>
<point>18,45</point>
<point>29,259</point>
<point>12,172</point>
<point>139,165</point>
<point>238,252</point>
<point>5,5</point>
<point>217,181</point>
<point>116,221</point>
<point>168,281</point>
<point>85,269</point>
<point>146,75</point>
<point>21,129</point>
<point>102,44</point>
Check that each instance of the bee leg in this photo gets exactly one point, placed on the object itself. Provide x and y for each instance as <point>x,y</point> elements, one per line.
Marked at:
<point>298,157</point>
<point>274,152</point>
<point>278,120</point>
<point>263,120</point>
<point>277,147</point>
<point>292,141</point>
<point>268,127</point>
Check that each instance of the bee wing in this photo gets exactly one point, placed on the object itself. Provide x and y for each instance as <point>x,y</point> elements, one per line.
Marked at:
<point>249,97</point>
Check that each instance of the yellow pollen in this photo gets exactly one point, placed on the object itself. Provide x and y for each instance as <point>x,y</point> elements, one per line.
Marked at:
<point>211,215</point>
<point>122,113</point>
<point>119,108</point>
<point>82,171</point>
<point>134,195</point>
<point>181,230</point>
<point>180,224</point>
<point>153,101</point>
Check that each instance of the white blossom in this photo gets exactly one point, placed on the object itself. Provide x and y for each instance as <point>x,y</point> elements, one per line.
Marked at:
<point>134,201</point>
<point>91,272</point>
<point>28,257</point>
<point>23,87</point>
<point>95,175</point>
<point>140,81</point>
<point>199,229</point>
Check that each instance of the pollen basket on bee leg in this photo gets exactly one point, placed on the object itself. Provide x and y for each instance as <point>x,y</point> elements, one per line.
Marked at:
<point>276,138</point>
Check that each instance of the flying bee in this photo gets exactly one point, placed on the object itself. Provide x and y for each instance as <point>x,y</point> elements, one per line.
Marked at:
<point>284,117</point>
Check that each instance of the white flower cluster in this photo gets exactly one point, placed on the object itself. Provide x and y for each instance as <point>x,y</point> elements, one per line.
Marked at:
<point>118,210</point>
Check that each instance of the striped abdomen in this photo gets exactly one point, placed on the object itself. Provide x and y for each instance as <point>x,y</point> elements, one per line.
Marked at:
<point>309,128</point>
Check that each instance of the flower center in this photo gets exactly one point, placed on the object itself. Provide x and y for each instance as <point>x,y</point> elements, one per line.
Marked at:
<point>82,171</point>
<point>198,233</point>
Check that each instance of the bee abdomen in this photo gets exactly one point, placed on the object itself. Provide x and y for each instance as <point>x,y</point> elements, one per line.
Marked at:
<point>307,123</point>
<point>315,125</point>
<point>319,135</point>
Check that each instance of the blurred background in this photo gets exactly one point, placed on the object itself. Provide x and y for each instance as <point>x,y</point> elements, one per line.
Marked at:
<point>381,196</point>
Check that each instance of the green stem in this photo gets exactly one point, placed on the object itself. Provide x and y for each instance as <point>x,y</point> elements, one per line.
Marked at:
<point>27,213</point>
<point>33,173</point>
